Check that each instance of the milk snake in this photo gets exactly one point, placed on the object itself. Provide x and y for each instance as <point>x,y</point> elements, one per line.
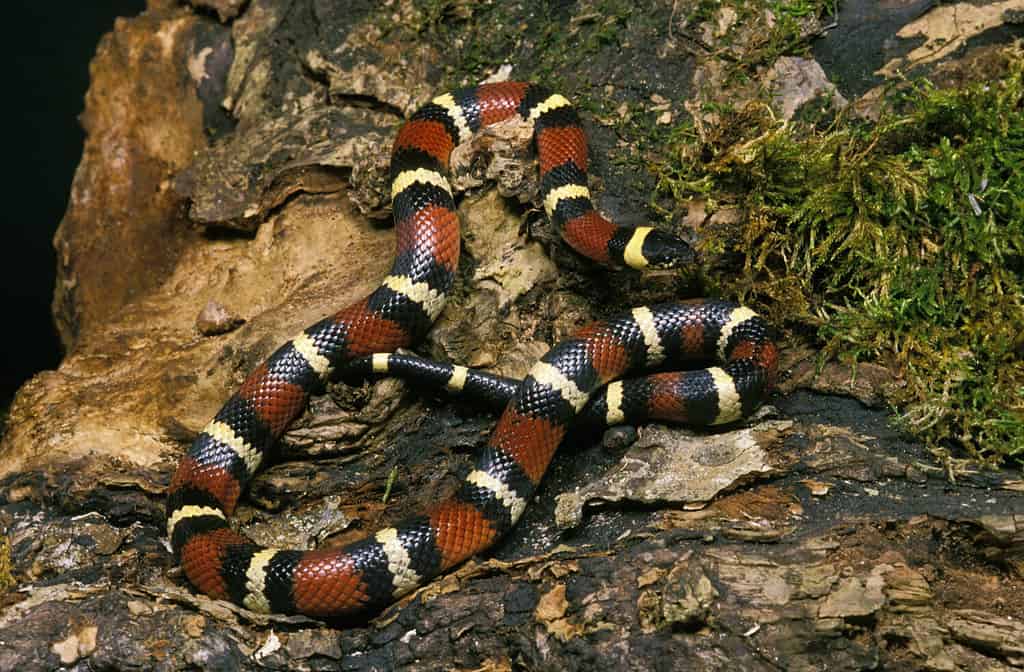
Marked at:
<point>366,575</point>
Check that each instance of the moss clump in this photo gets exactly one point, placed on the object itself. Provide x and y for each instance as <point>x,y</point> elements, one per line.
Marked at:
<point>7,580</point>
<point>900,242</point>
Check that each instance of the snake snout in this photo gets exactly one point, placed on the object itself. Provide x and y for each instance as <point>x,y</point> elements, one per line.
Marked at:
<point>664,250</point>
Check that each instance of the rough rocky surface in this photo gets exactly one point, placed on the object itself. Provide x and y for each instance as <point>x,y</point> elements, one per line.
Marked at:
<point>230,194</point>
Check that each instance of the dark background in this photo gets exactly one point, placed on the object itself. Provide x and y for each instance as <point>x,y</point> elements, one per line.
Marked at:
<point>50,47</point>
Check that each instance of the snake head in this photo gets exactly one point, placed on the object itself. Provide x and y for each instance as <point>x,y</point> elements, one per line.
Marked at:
<point>660,250</point>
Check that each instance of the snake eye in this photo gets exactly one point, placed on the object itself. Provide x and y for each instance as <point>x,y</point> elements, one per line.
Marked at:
<point>664,250</point>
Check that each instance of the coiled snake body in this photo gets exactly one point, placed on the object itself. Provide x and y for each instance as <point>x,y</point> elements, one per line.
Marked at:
<point>366,575</point>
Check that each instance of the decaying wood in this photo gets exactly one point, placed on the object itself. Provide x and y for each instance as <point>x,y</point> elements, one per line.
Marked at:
<point>223,203</point>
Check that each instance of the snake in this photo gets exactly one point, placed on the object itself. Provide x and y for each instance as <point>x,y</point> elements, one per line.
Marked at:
<point>361,578</point>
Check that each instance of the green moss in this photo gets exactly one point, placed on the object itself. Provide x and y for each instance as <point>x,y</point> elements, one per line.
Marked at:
<point>760,31</point>
<point>7,580</point>
<point>543,39</point>
<point>900,242</point>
